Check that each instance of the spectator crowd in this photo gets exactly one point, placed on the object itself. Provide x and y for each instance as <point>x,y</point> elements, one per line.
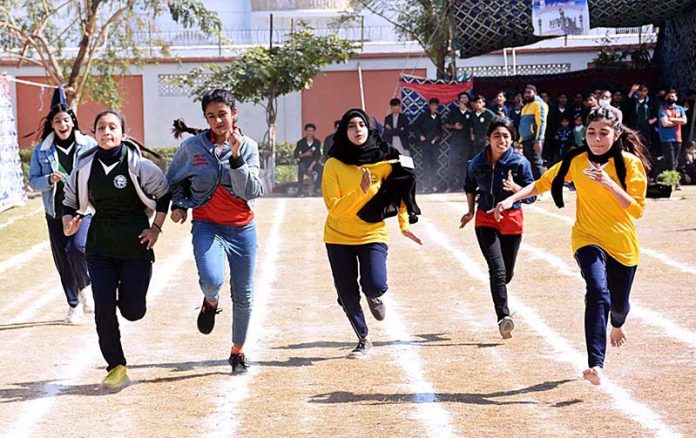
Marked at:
<point>547,128</point>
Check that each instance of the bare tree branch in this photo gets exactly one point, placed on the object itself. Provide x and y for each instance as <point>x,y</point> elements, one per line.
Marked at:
<point>101,38</point>
<point>392,22</point>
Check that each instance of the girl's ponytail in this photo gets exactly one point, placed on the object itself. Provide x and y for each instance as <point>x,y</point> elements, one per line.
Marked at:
<point>633,143</point>
<point>179,128</point>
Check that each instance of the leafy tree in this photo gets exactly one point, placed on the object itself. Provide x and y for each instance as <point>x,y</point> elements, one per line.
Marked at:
<point>262,74</point>
<point>83,44</point>
<point>423,21</point>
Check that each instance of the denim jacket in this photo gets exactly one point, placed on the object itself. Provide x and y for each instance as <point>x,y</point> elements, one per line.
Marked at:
<point>487,180</point>
<point>195,172</point>
<point>44,161</point>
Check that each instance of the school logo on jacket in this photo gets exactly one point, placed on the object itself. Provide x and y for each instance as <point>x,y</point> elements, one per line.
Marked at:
<point>120,182</point>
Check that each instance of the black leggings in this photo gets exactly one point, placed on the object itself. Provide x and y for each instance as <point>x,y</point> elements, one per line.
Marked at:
<point>500,251</point>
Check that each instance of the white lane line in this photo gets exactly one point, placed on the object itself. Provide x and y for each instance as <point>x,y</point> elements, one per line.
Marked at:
<point>637,411</point>
<point>436,419</point>
<point>662,258</point>
<point>19,218</point>
<point>235,389</point>
<point>23,257</point>
<point>33,298</point>
<point>668,261</point>
<point>648,316</point>
<point>36,409</point>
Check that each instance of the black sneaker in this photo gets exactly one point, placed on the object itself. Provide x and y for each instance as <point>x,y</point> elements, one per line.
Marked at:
<point>206,317</point>
<point>377,307</point>
<point>361,350</point>
<point>239,363</point>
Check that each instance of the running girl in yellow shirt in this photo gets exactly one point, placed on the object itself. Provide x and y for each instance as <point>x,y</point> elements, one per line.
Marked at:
<point>610,180</point>
<point>360,164</point>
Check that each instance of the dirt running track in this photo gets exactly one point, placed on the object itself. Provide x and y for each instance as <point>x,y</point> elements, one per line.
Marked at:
<point>439,367</point>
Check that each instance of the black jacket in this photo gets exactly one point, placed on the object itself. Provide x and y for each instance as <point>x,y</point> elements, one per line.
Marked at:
<point>401,129</point>
<point>400,186</point>
<point>428,126</point>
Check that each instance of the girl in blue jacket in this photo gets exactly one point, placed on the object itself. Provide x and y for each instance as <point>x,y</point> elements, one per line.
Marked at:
<point>52,162</point>
<point>494,174</point>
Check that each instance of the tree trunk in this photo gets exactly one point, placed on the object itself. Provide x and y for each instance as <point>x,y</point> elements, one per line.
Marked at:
<point>440,61</point>
<point>271,116</point>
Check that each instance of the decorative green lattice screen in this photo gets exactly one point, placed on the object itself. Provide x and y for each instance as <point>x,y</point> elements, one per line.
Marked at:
<point>676,52</point>
<point>487,25</point>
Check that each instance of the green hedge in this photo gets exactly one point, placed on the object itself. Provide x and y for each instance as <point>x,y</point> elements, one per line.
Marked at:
<point>286,169</point>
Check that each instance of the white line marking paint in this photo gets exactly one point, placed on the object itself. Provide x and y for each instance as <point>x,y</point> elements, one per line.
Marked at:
<point>623,401</point>
<point>430,413</point>
<point>662,258</point>
<point>27,299</point>
<point>648,316</point>
<point>225,421</point>
<point>19,218</point>
<point>36,409</point>
<point>23,257</point>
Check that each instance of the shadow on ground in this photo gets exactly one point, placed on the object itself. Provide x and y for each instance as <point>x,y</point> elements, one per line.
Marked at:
<point>492,398</point>
<point>424,340</point>
<point>23,325</point>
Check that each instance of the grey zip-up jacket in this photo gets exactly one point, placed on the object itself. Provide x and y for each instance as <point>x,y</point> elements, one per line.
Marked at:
<point>195,172</point>
<point>150,182</point>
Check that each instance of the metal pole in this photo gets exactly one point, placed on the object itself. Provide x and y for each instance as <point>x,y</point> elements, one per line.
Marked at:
<point>362,31</point>
<point>270,45</point>
<point>362,90</point>
<point>514,61</point>
<point>505,60</point>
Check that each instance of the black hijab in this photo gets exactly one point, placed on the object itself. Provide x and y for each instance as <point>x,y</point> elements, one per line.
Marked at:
<point>372,151</point>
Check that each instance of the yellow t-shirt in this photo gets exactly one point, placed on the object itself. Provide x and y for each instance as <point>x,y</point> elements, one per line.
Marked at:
<point>599,219</point>
<point>343,197</point>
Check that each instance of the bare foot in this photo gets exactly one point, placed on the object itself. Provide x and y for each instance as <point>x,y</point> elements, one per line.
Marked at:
<point>617,337</point>
<point>593,375</point>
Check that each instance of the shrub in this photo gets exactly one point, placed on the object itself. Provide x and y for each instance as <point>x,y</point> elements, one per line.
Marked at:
<point>669,178</point>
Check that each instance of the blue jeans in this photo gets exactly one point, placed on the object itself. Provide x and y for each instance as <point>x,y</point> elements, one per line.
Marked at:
<point>344,261</point>
<point>212,243</point>
<point>608,285</point>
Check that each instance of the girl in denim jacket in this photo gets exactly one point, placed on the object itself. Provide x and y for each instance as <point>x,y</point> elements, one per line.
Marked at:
<point>52,162</point>
<point>495,174</point>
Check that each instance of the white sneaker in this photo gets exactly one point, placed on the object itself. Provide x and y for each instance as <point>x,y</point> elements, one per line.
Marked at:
<point>505,326</point>
<point>85,296</point>
<point>74,315</point>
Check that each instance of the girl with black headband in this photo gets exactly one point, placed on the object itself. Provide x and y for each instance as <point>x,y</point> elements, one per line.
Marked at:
<point>610,180</point>
<point>360,163</point>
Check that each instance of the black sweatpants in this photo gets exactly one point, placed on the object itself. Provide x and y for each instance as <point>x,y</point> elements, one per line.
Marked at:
<point>500,252</point>
<point>122,284</point>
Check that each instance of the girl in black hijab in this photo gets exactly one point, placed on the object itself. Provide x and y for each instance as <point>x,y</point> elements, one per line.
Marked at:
<point>359,164</point>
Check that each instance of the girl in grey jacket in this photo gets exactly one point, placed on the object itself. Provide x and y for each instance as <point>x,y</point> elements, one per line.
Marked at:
<point>123,189</point>
<point>216,173</point>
